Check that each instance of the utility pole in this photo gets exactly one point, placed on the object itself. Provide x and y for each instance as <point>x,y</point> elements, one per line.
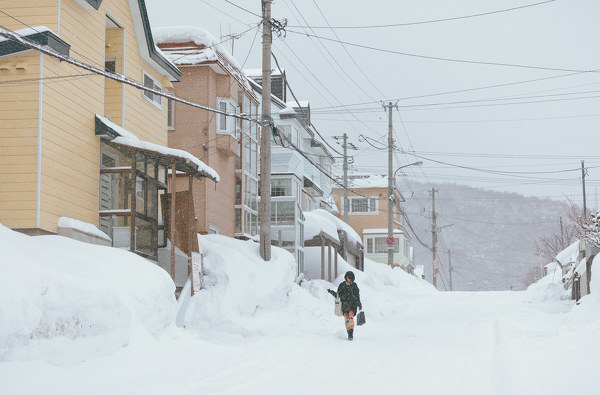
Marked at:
<point>433,234</point>
<point>450,269</point>
<point>390,186</point>
<point>265,138</point>
<point>345,204</point>
<point>583,183</point>
<point>562,235</point>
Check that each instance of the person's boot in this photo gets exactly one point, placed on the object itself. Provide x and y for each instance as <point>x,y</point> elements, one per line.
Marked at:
<point>350,334</point>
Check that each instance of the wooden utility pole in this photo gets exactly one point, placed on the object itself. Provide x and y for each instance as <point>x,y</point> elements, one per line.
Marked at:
<point>390,197</point>
<point>433,234</point>
<point>345,204</point>
<point>450,269</point>
<point>583,183</point>
<point>265,138</point>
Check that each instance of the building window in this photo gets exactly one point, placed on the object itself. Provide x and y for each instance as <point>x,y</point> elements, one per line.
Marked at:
<point>213,230</point>
<point>376,245</point>
<point>281,187</point>
<point>151,83</point>
<point>170,114</point>
<point>227,124</point>
<point>363,205</point>
<point>110,65</point>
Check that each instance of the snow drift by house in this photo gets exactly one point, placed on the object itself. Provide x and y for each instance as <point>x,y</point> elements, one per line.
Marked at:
<point>63,299</point>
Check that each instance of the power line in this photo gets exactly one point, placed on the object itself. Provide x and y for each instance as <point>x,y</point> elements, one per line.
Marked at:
<point>429,21</point>
<point>348,53</point>
<point>454,60</point>
<point>298,103</point>
<point>11,35</point>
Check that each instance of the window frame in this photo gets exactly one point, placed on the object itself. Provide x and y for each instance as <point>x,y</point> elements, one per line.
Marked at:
<point>231,124</point>
<point>150,97</point>
<point>170,114</point>
<point>371,201</point>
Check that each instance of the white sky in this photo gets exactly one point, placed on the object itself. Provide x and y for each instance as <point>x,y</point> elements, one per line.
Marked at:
<point>553,134</point>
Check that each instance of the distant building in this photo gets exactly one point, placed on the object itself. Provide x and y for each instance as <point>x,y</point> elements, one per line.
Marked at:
<point>367,215</point>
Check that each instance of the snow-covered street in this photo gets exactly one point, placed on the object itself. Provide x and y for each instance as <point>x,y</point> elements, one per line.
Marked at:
<point>440,343</point>
<point>253,331</point>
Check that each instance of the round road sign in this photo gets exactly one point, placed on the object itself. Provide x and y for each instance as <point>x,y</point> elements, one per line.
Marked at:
<point>436,263</point>
<point>390,241</point>
<point>436,270</point>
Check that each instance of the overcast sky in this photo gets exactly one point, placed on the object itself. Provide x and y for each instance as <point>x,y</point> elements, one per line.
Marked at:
<point>510,94</point>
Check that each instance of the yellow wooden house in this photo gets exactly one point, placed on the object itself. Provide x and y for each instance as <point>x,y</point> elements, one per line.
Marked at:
<point>75,144</point>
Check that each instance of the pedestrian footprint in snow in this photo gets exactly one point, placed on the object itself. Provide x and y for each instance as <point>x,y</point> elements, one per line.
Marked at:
<point>349,295</point>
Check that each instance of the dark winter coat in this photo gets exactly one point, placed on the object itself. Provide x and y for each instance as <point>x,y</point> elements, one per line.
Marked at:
<point>349,296</point>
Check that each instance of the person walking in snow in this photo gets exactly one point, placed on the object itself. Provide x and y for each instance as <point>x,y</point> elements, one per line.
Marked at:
<point>349,295</point>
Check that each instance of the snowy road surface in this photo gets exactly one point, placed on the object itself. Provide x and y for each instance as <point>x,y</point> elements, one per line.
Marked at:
<point>434,343</point>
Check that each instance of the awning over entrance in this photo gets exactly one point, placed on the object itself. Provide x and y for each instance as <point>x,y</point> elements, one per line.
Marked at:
<point>184,161</point>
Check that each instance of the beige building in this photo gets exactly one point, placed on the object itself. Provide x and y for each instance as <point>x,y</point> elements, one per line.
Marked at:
<point>368,216</point>
<point>74,144</point>
<point>212,77</point>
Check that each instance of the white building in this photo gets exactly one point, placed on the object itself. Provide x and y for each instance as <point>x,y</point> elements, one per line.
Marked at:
<point>297,184</point>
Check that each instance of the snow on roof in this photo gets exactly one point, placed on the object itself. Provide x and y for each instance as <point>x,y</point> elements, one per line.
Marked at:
<point>569,254</point>
<point>314,224</point>
<point>581,267</point>
<point>185,34</point>
<point>384,231</point>
<point>84,227</point>
<point>205,49</point>
<point>258,72</point>
<point>337,223</point>
<point>131,140</point>
<point>287,110</point>
<point>369,181</point>
<point>28,31</point>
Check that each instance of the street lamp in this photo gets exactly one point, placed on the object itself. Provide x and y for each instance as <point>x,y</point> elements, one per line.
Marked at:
<point>419,163</point>
<point>390,208</point>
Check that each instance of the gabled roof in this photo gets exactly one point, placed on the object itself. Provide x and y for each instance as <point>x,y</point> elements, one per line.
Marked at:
<point>150,53</point>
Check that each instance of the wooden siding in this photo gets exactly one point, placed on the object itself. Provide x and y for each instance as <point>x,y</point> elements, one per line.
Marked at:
<point>29,13</point>
<point>70,149</point>
<point>113,92</point>
<point>18,140</point>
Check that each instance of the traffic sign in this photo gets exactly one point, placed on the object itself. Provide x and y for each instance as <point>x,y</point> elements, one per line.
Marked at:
<point>436,270</point>
<point>436,263</point>
<point>390,241</point>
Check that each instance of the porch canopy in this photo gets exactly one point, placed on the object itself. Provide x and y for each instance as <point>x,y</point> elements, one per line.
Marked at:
<point>183,160</point>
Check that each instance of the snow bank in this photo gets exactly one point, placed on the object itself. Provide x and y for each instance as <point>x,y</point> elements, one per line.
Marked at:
<point>549,287</point>
<point>588,311</point>
<point>238,284</point>
<point>84,227</point>
<point>63,300</point>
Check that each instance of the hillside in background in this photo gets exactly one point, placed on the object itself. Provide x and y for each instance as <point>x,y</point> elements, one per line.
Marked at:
<point>491,235</point>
